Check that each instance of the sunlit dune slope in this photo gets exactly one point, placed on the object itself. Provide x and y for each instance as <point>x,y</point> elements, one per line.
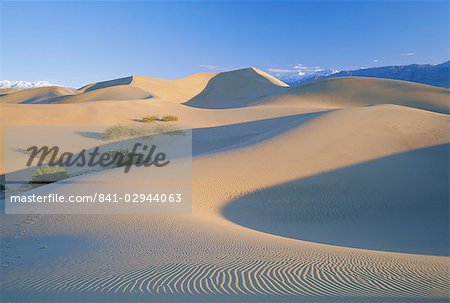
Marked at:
<point>36,95</point>
<point>113,93</point>
<point>170,90</point>
<point>140,87</point>
<point>330,141</point>
<point>360,91</point>
<point>6,91</point>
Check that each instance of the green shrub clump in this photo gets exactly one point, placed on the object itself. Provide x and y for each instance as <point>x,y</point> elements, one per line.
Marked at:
<point>169,118</point>
<point>148,119</point>
<point>48,174</point>
<point>123,132</point>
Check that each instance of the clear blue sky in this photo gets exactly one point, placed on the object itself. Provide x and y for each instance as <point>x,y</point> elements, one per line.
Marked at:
<point>77,42</point>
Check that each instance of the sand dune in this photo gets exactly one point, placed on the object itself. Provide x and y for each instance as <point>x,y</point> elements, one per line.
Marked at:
<point>36,95</point>
<point>328,142</point>
<point>170,90</point>
<point>397,203</point>
<point>246,87</point>
<point>267,179</point>
<point>116,93</point>
<point>359,91</point>
<point>237,88</point>
<point>176,90</point>
<point>128,88</point>
<point>6,91</point>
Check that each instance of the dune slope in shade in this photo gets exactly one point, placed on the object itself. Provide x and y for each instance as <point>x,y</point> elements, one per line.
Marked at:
<point>397,203</point>
<point>105,84</point>
<point>237,88</point>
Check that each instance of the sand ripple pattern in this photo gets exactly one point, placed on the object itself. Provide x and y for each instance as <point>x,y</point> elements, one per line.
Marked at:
<point>328,276</point>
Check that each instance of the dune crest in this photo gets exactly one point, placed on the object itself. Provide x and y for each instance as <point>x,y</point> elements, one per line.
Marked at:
<point>105,84</point>
<point>173,90</point>
<point>238,88</point>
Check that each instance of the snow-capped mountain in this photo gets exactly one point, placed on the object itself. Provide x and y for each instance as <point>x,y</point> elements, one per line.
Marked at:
<point>301,74</point>
<point>298,78</point>
<point>24,84</point>
<point>431,74</point>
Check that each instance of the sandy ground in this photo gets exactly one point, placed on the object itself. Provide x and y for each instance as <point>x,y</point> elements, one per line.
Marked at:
<point>292,201</point>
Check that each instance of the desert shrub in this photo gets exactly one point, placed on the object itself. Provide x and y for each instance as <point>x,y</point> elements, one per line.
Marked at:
<point>48,174</point>
<point>169,118</point>
<point>116,132</point>
<point>168,129</point>
<point>148,119</point>
<point>122,132</point>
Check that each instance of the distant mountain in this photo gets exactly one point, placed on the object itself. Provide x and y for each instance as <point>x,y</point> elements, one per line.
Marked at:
<point>298,77</point>
<point>24,84</point>
<point>431,74</point>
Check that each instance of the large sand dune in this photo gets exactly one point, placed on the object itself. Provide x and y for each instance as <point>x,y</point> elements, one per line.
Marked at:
<point>369,183</point>
<point>116,93</point>
<point>170,90</point>
<point>360,91</point>
<point>36,95</point>
<point>237,89</point>
<point>396,203</point>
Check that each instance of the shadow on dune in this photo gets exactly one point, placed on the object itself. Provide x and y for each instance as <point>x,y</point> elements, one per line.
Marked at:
<point>232,136</point>
<point>204,141</point>
<point>397,203</point>
<point>209,140</point>
<point>91,135</point>
<point>109,83</point>
<point>237,88</point>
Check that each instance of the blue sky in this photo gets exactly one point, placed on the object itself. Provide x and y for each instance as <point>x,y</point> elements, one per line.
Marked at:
<point>77,42</point>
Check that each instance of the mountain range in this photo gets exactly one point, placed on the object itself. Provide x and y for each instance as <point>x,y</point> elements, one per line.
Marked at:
<point>431,74</point>
<point>24,84</point>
